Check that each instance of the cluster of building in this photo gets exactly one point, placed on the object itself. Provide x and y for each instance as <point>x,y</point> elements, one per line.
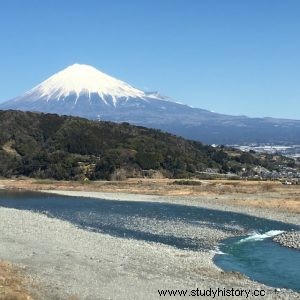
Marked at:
<point>286,175</point>
<point>292,151</point>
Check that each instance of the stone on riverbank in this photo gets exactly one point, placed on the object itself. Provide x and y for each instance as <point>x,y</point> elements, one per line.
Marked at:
<point>289,239</point>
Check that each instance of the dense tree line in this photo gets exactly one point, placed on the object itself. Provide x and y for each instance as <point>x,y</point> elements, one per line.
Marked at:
<point>63,147</point>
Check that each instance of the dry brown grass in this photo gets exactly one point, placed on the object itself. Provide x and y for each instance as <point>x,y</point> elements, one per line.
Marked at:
<point>12,284</point>
<point>261,194</point>
<point>8,148</point>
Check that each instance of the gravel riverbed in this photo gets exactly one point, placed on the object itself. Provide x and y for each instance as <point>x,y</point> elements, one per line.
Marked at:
<point>204,201</point>
<point>289,239</point>
<point>64,261</point>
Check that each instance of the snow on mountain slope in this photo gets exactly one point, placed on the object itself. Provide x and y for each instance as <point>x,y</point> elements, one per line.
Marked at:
<point>85,79</point>
<point>76,82</point>
<point>82,90</point>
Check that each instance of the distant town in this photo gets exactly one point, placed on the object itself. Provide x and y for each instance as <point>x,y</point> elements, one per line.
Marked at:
<point>288,175</point>
<point>292,151</point>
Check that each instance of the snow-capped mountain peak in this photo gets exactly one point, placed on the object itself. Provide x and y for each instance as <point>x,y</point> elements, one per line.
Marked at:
<point>82,90</point>
<point>84,79</point>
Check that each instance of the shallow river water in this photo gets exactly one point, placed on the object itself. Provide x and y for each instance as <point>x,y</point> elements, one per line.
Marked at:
<point>251,251</point>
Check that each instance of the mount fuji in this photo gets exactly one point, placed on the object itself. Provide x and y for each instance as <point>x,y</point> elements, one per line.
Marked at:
<point>82,90</point>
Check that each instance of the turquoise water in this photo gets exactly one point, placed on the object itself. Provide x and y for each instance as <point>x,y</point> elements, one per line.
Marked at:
<point>262,260</point>
<point>257,257</point>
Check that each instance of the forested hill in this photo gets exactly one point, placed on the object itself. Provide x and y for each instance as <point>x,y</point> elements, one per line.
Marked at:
<point>62,147</point>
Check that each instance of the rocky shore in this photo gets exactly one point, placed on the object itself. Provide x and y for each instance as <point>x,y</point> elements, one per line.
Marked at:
<point>289,239</point>
<point>67,262</point>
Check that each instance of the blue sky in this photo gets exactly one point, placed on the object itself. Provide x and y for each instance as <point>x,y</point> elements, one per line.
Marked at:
<point>229,56</point>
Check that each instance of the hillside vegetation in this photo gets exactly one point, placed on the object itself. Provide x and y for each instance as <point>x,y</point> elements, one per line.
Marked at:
<point>62,147</point>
